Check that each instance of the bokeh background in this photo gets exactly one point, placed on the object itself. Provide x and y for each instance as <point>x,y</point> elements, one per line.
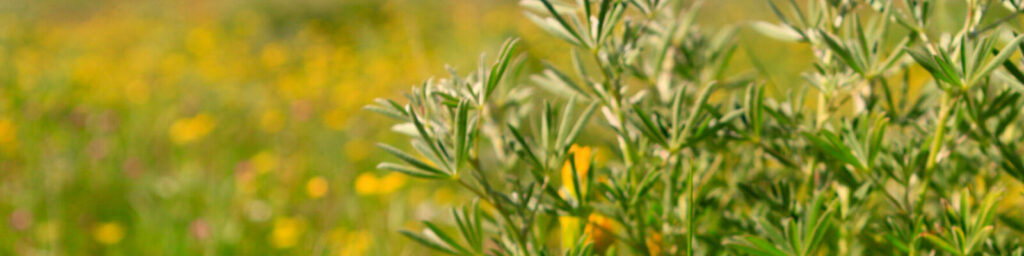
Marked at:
<point>193,127</point>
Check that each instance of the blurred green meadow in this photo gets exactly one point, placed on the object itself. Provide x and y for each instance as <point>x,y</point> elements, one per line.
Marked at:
<point>236,127</point>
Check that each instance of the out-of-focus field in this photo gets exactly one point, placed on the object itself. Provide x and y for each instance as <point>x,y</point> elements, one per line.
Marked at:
<point>231,127</point>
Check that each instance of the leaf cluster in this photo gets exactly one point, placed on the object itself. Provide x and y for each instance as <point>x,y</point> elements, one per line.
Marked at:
<point>700,160</point>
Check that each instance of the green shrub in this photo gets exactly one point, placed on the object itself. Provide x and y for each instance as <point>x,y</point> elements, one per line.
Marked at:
<point>648,143</point>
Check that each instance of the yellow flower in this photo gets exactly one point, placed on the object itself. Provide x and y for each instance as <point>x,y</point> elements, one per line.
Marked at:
<point>654,243</point>
<point>598,232</point>
<point>391,182</point>
<point>108,233</point>
<point>273,55</point>
<point>570,230</point>
<point>367,184</point>
<point>264,162</point>
<point>187,130</point>
<point>316,187</point>
<point>271,121</point>
<point>200,41</point>
<point>136,91</point>
<point>8,135</point>
<point>582,159</point>
<point>292,87</point>
<point>286,232</point>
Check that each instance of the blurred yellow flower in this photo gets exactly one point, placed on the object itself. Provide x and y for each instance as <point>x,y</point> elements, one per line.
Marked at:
<point>654,244</point>
<point>570,227</point>
<point>316,187</point>
<point>582,159</point>
<point>136,92</point>
<point>8,135</point>
<point>87,69</point>
<point>200,41</point>
<point>294,87</point>
<point>598,231</point>
<point>391,182</point>
<point>187,130</point>
<point>286,232</point>
<point>264,162</point>
<point>272,121</point>
<point>172,65</point>
<point>273,55</point>
<point>369,184</point>
<point>108,233</point>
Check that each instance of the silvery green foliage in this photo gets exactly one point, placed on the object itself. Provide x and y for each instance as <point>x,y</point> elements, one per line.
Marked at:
<point>703,162</point>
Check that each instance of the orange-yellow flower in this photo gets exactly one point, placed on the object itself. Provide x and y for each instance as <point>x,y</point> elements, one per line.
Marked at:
<point>8,135</point>
<point>582,156</point>
<point>598,232</point>
<point>570,230</point>
<point>391,182</point>
<point>316,187</point>
<point>187,130</point>
<point>286,233</point>
<point>273,55</point>
<point>654,243</point>
<point>369,184</point>
<point>272,121</point>
<point>108,233</point>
